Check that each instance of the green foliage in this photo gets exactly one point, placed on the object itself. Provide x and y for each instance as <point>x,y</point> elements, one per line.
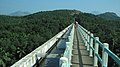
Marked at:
<point>21,35</point>
<point>109,16</point>
<point>107,30</point>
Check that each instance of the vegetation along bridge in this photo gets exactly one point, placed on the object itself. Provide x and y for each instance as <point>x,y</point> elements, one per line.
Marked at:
<point>73,47</point>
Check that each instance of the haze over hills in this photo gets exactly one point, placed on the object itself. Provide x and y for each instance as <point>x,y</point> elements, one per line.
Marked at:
<point>19,13</point>
<point>96,12</point>
<point>106,15</point>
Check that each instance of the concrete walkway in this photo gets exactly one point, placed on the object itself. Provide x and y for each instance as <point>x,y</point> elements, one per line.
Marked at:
<point>80,56</point>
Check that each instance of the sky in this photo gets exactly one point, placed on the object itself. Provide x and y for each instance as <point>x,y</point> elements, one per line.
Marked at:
<point>32,6</point>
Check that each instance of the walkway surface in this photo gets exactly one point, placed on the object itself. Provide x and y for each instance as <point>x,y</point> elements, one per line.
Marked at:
<point>80,56</point>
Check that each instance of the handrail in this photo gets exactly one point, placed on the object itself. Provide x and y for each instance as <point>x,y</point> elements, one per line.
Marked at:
<point>115,57</point>
<point>30,59</point>
<point>68,51</point>
<point>87,37</point>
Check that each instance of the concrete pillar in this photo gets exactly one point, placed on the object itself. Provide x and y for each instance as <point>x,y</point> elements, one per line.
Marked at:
<point>63,62</point>
<point>96,51</point>
<point>105,55</point>
<point>88,40</point>
<point>85,40</point>
<point>91,45</point>
<point>84,37</point>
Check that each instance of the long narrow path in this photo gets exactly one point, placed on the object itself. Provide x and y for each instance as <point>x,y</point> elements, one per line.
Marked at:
<point>80,56</point>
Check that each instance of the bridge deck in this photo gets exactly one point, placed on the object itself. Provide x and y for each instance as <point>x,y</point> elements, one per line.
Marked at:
<point>58,50</point>
<point>80,56</point>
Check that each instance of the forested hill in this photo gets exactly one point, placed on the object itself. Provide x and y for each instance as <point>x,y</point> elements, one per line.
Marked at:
<point>19,35</point>
<point>107,30</point>
<point>109,16</point>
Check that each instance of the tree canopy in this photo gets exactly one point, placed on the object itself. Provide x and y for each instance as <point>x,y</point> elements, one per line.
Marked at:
<point>21,35</point>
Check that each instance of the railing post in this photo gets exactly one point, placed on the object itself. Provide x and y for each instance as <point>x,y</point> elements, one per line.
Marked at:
<point>96,52</point>
<point>63,62</point>
<point>83,34</point>
<point>86,38</point>
<point>91,45</point>
<point>105,55</point>
<point>88,41</point>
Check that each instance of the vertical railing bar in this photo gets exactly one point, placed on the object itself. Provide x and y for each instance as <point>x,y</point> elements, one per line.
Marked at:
<point>91,45</point>
<point>105,55</point>
<point>96,52</point>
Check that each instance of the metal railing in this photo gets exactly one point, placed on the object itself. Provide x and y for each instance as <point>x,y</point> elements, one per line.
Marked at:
<point>65,61</point>
<point>89,40</point>
<point>30,59</point>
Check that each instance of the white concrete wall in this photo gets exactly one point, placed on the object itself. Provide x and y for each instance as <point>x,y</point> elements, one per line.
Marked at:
<point>30,59</point>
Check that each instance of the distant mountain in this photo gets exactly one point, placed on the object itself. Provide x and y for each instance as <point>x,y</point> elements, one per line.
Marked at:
<point>19,13</point>
<point>109,16</point>
<point>95,12</point>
